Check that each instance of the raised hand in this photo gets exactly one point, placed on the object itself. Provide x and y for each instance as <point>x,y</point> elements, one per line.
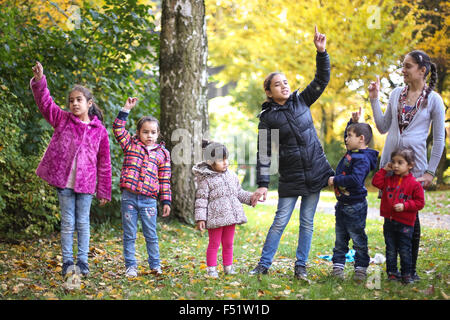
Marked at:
<point>374,88</point>
<point>38,71</point>
<point>356,115</point>
<point>320,40</point>
<point>130,103</point>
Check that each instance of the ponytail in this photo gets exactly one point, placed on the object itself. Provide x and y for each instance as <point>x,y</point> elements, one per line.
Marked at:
<point>433,78</point>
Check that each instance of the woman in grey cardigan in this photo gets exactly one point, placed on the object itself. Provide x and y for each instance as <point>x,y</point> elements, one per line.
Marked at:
<point>411,110</point>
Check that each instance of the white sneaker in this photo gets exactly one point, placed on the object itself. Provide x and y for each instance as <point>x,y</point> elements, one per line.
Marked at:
<point>212,272</point>
<point>229,269</point>
<point>157,270</point>
<point>131,272</point>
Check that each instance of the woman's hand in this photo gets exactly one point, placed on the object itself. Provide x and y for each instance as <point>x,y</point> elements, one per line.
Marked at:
<point>38,71</point>
<point>320,40</point>
<point>166,210</point>
<point>256,196</point>
<point>427,179</point>
<point>130,103</point>
<point>331,181</point>
<point>103,202</point>
<point>374,88</point>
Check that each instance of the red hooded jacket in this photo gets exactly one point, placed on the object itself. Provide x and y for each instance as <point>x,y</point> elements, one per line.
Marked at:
<point>398,189</point>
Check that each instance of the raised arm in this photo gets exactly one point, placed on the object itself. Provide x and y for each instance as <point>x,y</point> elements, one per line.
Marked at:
<point>120,133</point>
<point>313,91</point>
<point>49,109</point>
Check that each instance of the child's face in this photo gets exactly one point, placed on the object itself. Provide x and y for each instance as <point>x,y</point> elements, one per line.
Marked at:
<point>400,166</point>
<point>279,89</point>
<point>148,134</point>
<point>353,142</point>
<point>220,165</point>
<point>79,106</point>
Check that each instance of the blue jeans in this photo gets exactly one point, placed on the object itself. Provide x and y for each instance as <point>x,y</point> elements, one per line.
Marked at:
<point>350,224</point>
<point>75,209</point>
<point>398,239</point>
<point>282,217</point>
<point>136,206</point>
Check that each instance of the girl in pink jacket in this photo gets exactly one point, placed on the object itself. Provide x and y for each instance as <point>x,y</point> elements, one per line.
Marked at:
<point>77,162</point>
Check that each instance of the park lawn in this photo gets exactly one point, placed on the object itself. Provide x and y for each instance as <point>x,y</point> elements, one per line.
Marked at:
<point>31,270</point>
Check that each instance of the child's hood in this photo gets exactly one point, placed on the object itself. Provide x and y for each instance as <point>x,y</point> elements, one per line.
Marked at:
<point>202,169</point>
<point>371,155</point>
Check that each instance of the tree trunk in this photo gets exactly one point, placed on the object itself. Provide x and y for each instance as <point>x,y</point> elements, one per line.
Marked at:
<point>184,109</point>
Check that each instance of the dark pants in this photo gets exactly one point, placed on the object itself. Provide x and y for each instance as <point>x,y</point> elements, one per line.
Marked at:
<point>398,238</point>
<point>415,243</point>
<point>350,224</point>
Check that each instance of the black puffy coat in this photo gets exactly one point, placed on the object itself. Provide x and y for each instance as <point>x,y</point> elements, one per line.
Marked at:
<point>303,166</point>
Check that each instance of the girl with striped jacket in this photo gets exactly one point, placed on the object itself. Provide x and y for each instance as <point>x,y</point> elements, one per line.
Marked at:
<point>145,177</point>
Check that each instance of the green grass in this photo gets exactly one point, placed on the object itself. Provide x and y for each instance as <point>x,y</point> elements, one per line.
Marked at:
<point>31,270</point>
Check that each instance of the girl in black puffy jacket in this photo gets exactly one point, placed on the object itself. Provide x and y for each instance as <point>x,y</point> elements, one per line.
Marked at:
<point>303,167</point>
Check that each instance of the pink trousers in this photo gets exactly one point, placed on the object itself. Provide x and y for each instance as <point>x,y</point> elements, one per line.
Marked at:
<point>224,235</point>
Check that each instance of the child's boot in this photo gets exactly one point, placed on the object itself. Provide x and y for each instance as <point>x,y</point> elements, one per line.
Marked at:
<point>212,272</point>
<point>338,271</point>
<point>360,274</point>
<point>229,269</point>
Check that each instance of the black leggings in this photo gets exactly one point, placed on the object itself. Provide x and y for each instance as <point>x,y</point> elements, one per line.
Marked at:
<point>415,243</point>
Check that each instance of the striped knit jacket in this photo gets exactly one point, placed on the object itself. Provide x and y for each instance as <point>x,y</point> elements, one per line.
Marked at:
<point>143,171</point>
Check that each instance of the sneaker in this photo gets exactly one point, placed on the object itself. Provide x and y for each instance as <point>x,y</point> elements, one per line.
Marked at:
<point>407,279</point>
<point>157,271</point>
<point>131,272</point>
<point>338,272</point>
<point>394,276</point>
<point>229,269</point>
<point>360,274</point>
<point>84,268</point>
<point>300,272</point>
<point>65,267</point>
<point>259,270</point>
<point>415,276</point>
<point>212,272</point>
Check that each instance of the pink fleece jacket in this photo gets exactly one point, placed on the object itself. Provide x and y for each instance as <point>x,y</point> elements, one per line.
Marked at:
<point>88,142</point>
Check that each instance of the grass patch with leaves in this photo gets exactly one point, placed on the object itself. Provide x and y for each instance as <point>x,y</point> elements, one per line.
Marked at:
<point>32,269</point>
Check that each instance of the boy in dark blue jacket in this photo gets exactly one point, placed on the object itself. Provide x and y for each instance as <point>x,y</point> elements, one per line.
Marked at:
<point>351,208</point>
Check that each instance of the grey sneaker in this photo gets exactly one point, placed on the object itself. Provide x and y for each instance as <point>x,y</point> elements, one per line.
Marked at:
<point>229,269</point>
<point>300,272</point>
<point>131,272</point>
<point>360,274</point>
<point>84,268</point>
<point>259,270</point>
<point>338,272</point>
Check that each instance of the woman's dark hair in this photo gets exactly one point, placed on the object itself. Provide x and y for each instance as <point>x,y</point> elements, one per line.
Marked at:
<point>213,151</point>
<point>143,120</point>
<point>94,110</point>
<point>423,60</point>
<point>268,81</point>
<point>406,153</point>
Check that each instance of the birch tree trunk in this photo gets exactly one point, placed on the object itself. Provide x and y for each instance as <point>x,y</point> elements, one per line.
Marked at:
<point>184,109</point>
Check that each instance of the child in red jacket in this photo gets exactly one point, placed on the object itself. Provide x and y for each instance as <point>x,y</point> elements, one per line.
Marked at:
<point>402,198</point>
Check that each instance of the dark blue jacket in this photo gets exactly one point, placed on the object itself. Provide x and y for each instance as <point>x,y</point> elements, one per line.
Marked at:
<point>351,172</point>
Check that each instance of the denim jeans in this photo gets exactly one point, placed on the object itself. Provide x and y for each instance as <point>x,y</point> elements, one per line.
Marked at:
<point>75,209</point>
<point>136,206</point>
<point>398,239</point>
<point>282,217</point>
<point>350,224</point>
